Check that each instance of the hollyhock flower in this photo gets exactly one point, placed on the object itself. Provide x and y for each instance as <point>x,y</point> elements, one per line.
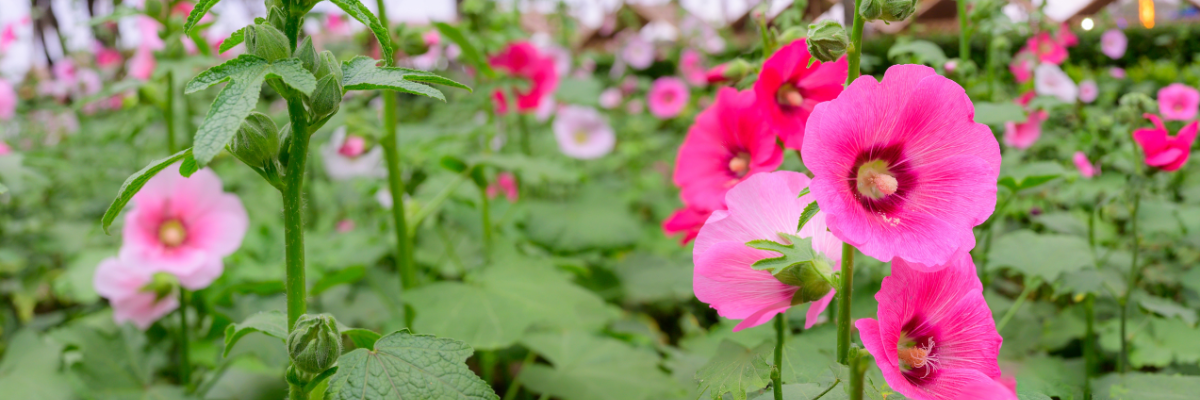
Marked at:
<point>1022,135</point>
<point>1064,37</point>
<point>716,74</point>
<point>1088,91</point>
<point>727,144</point>
<point>8,100</point>
<point>141,65</point>
<point>761,208</point>
<point>691,66</point>
<point>901,167</point>
<point>346,157</point>
<point>184,226</point>
<point>1022,66</point>
<point>107,58</point>
<point>505,182</point>
<point>345,225</point>
<point>935,337</point>
<point>522,59</point>
<point>688,221</point>
<point>638,52</point>
<point>64,72</point>
<point>1117,72</point>
<point>1046,49</point>
<point>125,285</point>
<point>788,89</point>
<point>583,133</point>
<point>1085,166</point>
<point>1163,151</point>
<point>1178,102</point>
<point>1113,43</point>
<point>1050,80</point>
<point>90,80</point>
<point>337,25</point>
<point>667,97</point>
<point>610,98</point>
<point>4,149</point>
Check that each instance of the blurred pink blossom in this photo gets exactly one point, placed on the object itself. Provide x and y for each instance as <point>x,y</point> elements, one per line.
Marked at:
<point>583,133</point>
<point>8,100</point>
<point>691,66</point>
<point>610,98</point>
<point>505,182</point>
<point>667,97</point>
<point>1161,149</point>
<point>1084,165</point>
<point>1113,43</point>
<point>638,52</point>
<point>1178,102</point>
<point>125,284</point>
<point>1088,91</point>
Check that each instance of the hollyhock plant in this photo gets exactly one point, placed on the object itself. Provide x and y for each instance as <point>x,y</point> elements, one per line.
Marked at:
<point>1113,43</point>
<point>988,390</point>
<point>763,207</point>
<point>1178,102</point>
<point>505,182</point>
<point>788,88</point>
<point>1088,91</point>
<point>935,337</point>
<point>184,226</point>
<point>129,288</point>
<point>688,221</point>
<point>523,60</point>
<point>727,144</point>
<point>1086,168</point>
<point>1046,49</point>
<point>583,133</point>
<point>1161,149</point>
<point>901,167</point>
<point>1050,80</point>
<point>1022,135</point>
<point>346,156</point>
<point>667,97</point>
<point>141,65</point>
<point>691,66</point>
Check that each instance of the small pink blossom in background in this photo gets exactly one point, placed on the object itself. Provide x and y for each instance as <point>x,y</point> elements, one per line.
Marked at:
<point>583,133</point>
<point>934,337</point>
<point>1088,91</point>
<point>505,182</point>
<point>727,144</point>
<point>141,65</point>
<point>184,226</point>
<point>341,166</point>
<point>345,225</point>
<point>667,97</point>
<point>1163,151</point>
<point>691,66</point>
<point>523,60</point>
<point>638,52</point>
<point>1046,49</point>
<point>635,106</point>
<point>1117,72</point>
<point>1086,169</point>
<point>1022,66</point>
<point>4,149</point>
<point>148,33</point>
<point>8,100</point>
<point>688,221</point>
<point>90,81</point>
<point>107,58</point>
<point>761,207</point>
<point>336,24</point>
<point>1113,43</point>
<point>123,283</point>
<point>950,66</point>
<point>8,35</point>
<point>1178,102</point>
<point>1022,135</point>
<point>610,98</point>
<point>353,146</point>
<point>1050,80</point>
<point>884,155</point>
<point>788,88</point>
<point>1064,37</point>
<point>64,72</point>
<point>629,85</point>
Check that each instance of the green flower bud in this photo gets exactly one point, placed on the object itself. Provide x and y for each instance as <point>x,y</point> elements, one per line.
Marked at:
<point>871,9</point>
<point>162,284</point>
<point>257,141</point>
<point>897,10</point>
<point>285,144</point>
<point>276,18</point>
<point>810,278</point>
<point>329,65</point>
<point>827,41</point>
<point>314,344</point>
<point>412,42</point>
<point>308,55</point>
<point>1134,105</point>
<point>328,97</point>
<point>736,69</point>
<point>267,42</point>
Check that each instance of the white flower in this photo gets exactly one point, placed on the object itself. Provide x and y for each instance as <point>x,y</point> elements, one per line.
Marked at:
<point>583,133</point>
<point>1050,80</point>
<point>343,162</point>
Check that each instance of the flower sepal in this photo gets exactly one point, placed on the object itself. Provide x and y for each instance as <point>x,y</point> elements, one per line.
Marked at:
<point>814,280</point>
<point>162,284</point>
<point>314,344</point>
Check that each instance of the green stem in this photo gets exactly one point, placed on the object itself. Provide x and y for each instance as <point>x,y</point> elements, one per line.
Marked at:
<point>1089,344</point>
<point>858,368</point>
<point>843,297</point>
<point>1008,315</point>
<point>487,365</point>
<point>513,389</point>
<point>169,113</point>
<point>487,223</point>
<point>777,368</point>
<point>835,383</point>
<point>856,35</point>
<point>185,360</point>
<point>964,38</point>
<point>524,127</point>
<point>293,212</point>
<point>404,265</point>
<point>296,393</point>
<point>1132,280</point>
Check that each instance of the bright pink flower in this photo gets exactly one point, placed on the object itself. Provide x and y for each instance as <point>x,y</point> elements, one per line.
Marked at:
<point>8,35</point>
<point>123,283</point>
<point>727,143</point>
<point>788,89</point>
<point>1163,151</point>
<point>148,31</point>
<point>141,65</point>
<point>610,98</point>
<point>1117,72</point>
<point>716,74</point>
<point>1088,91</point>
<point>1086,169</point>
<point>1064,37</point>
<point>761,207</point>
<point>901,166</point>
<point>353,146</point>
<point>107,58</point>
<point>1113,43</point>
<point>691,66</point>
<point>345,225</point>
<point>1021,135</point>
<point>668,95</point>
<point>688,221</point>
<point>184,226</point>
<point>1022,66</point>
<point>505,182</point>
<point>4,149</point>
<point>935,337</point>
<point>522,60</point>
<point>988,390</point>
<point>8,100</point>
<point>1046,49</point>
<point>336,24</point>
<point>1178,102</point>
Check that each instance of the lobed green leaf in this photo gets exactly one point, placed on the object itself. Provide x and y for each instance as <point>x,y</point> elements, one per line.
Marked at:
<point>272,323</point>
<point>735,369</point>
<point>362,73</point>
<point>799,251</point>
<point>233,104</point>
<point>293,73</point>
<point>226,70</point>
<point>197,13</point>
<point>404,366</point>
<point>361,13</point>
<point>134,183</point>
<point>234,39</point>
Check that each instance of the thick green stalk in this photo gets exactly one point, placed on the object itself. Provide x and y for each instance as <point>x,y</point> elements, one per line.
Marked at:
<point>964,38</point>
<point>777,368</point>
<point>169,114</point>
<point>293,212</point>
<point>858,368</point>
<point>856,35</point>
<point>843,297</point>
<point>185,360</point>
<point>404,265</point>
<point>1131,282</point>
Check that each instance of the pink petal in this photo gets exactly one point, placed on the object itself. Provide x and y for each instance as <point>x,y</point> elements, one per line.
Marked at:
<point>724,279</point>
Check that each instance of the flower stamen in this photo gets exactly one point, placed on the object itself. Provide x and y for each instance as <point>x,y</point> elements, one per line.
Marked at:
<point>740,164</point>
<point>172,233</point>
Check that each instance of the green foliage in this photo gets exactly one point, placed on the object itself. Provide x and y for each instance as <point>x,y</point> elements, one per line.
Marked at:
<point>30,364</point>
<point>1045,256</point>
<point>198,12</point>
<point>918,52</point>
<point>134,183</point>
<point>470,53</point>
<point>360,12</point>
<point>798,251</point>
<point>404,365</point>
<point>588,367</point>
<point>363,73</point>
<point>1146,387</point>
<point>736,369</point>
<point>272,323</point>
<point>998,113</point>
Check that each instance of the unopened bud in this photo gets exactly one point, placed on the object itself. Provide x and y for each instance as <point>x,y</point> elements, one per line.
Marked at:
<point>1133,105</point>
<point>810,279</point>
<point>733,70</point>
<point>329,65</point>
<point>887,10</point>
<point>276,18</point>
<point>412,43</point>
<point>314,344</point>
<point>267,42</point>
<point>162,284</point>
<point>257,140</point>
<point>827,40</point>
<point>328,97</point>
<point>308,55</point>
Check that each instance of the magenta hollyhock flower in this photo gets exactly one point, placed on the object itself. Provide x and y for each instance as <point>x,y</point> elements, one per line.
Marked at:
<point>935,336</point>
<point>727,143</point>
<point>716,74</point>
<point>1178,102</point>
<point>1046,49</point>
<point>583,133</point>
<point>107,58</point>
<point>988,390</point>
<point>1086,168</point>
<point>760,208</point>
<point>668,95</point>
<point>1022,66</point>
<point>788,89</point>
<point>8,100</point>
<point>1050,80</point>
<point>1163,151</point>
<point>124,284</point>
<point>901,166</point>
<point>1064,37</point>
<point>688,221</point>
<point>523,60</point>
<point>505,182</point>
<point>691,66</point>
<point>1113,43</point>
<point>1088,91</point>
<point>184,226</point>
<point>1024,134</point>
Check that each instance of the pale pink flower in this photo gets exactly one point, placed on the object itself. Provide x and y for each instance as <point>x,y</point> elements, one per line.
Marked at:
<point>8,100</point>
<point>1178,102</point>
<point>141,65</point>
<point>123,283</point>
<point>638,52</point>
<point>1064,37</point>
<point>336,24</point>
<point>1088,91</point>
<point>762,207</point>
<point>583,133</point>
<point>935,338</point>
<point>344,157</point>
<point>691,66</point>
<point>1022,66</point>
<point>1086,169</point>
<point>1117,72</point>
<point>184,226</point>
<point>950,66</point>
<point>1161,149</point>
<point>4,149</point>
<point>610,98</point>
<point>90,81</point>
<point>1113,43</point>
<point>345,225</point>
<point>667,97</point>
<point>1050,80</point>
<point>901,166</point>
<point>505,182</point>
<point>64,72</point>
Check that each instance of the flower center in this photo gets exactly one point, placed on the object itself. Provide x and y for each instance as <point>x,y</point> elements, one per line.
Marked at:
<point>913,356</point>
<point>353,146</point>
<point>875,180</point>
<point>581,137</point>
<point>740,164</point>
<point>171,233</point>
<point>788,95</point>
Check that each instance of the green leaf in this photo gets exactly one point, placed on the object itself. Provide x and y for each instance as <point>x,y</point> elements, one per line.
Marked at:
<point>134,183</point>
<point>809,211</point>
<point>921,51</point>
<point>30,368</point>
<point>587,367</point>
<point>1052,376</point>
<point>188,166</point>
<point>292,72</point>
<point>556,224</point>
<point>1043,255</point>
<point>417,75</point>
<point>197,13</point>
<point>361,13</point>
<point>579,91</point>
<point>798,251</point>
<point>363,73</point>
<point>809,391</point>
<point>736,369</point>
<point>407,366</point>
<point>1138,386</point>
<point>998,113</point>
<point>362,338</point>
<point>803,192</point>
<point>1166,308</point>
<point>342,276</point>
<point>272,323</point>
<point>470,53</point>
<point>1029,175</point>
<point>234,39</point>
<point>648,278</point>
<point>233,104</point>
